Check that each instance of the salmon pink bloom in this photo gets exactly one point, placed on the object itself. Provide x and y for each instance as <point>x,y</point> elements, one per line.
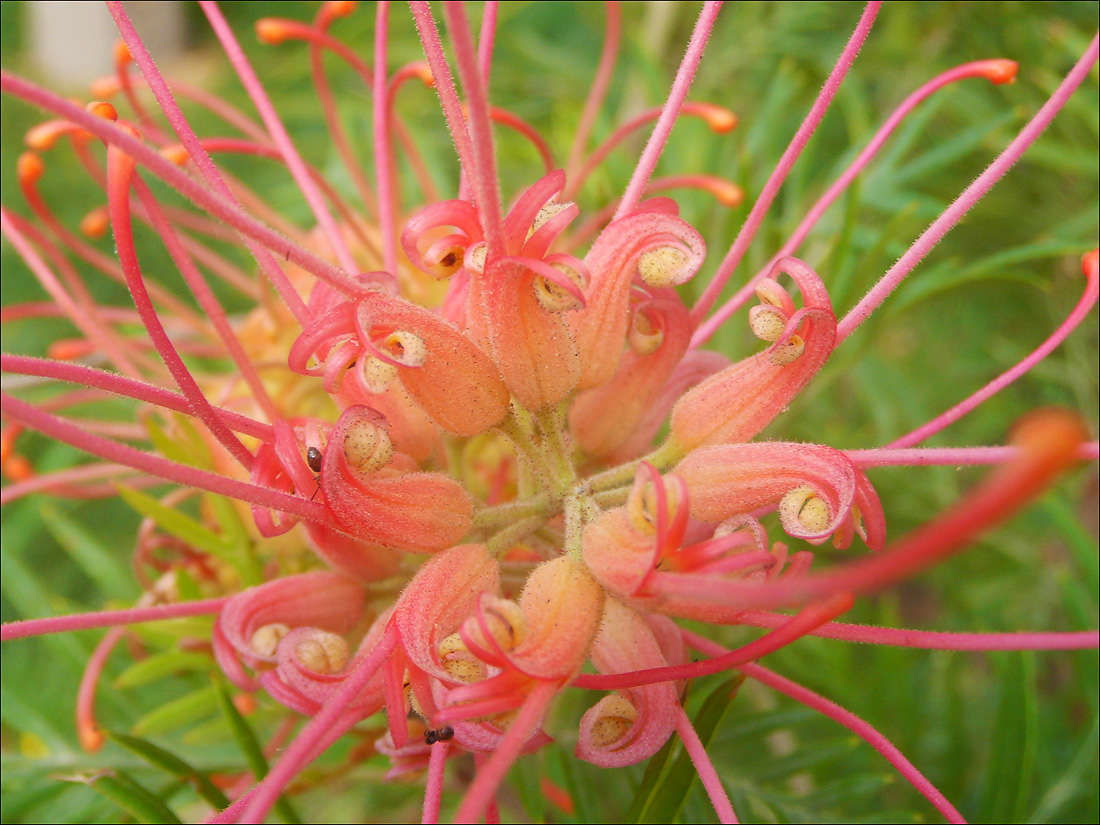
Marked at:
<point>450,476</point>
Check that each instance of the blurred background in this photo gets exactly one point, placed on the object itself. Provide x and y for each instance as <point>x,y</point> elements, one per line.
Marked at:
<point>1006,737</point>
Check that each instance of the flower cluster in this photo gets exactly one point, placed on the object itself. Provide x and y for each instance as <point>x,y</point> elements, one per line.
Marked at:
<point>460,458</point>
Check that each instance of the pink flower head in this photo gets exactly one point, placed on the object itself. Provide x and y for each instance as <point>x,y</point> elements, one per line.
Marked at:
<point>445,457</point>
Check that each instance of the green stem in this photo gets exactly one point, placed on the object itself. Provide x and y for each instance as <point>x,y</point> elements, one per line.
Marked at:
<point>663,458</point>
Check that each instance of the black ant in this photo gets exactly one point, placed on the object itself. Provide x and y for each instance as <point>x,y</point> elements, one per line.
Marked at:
<point>314,457</point>
<point>444,734</point>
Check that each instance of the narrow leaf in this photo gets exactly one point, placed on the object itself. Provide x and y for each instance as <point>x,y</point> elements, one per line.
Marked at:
<point>173,765</point>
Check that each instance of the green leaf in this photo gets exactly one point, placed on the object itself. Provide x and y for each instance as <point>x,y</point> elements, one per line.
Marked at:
<point>102,566</point>
<point>1081,545</point>
<point>178,524</point>
<point>173,765</point>
<point>120,788</point>
<point>670,793</point>
<point>177,713</point>
<point>158,666</point>
<point>249,745</point>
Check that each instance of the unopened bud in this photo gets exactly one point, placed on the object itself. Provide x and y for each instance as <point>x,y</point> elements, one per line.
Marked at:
<point>616,716</point>
<point>367,446</point>
<point>664,266</point>
<point>322,652</point>
<point>788,351</point>
<point>802,510</point>
<point>265,640</point>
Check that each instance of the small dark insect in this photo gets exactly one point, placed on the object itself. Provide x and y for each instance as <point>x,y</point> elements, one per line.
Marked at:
<point>444,734</point>
<point>314,458</point>
<point>288,254</point>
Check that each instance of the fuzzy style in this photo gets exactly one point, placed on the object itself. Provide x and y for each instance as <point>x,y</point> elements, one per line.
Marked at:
<point>464,454</point>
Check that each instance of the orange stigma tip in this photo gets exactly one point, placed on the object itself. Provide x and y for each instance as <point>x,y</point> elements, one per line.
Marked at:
<point>96,223</point>
<point>90,739</point>
<point>728,194</point>
<point>1090,263</point>
<point>45,135</point>
<point>423,72</point>
<point>245,703</point>
<point>339,8</point>
<point>1001,71</point>
<point>102,109</point>
<point>719,119</point>
<point>69,349</point>
<point>122,53</point>
<point>272,31</point>
<point>29,167</point>
<point>176,154</point>
<point>17,467</point>
<point>1054,432</point>
<point>104,87</point>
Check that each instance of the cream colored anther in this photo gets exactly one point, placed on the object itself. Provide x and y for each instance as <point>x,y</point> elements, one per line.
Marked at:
<point>367,447</point>
<point>644,336</point>
<point>265,640</point>
<point>548,211</point>
<point>802,510</point>
<point>787,352</point>
<point>378,375</point>
<point>552,296</point>
<point>617,716</point>
<point>406,347</point>
<point>663,266</point>
<point>767,322</point>
<point>322,652</point>
<point>475,257</point>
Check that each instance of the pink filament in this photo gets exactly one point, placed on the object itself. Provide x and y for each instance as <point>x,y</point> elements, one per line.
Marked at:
<point>598,91</point>
<point>117,384</point>
<point>657,140</point>
<point>383,156</point>
<point>87,727</point>
<point>433,790</point>
<point>970,196</point>
<point>705,768</point>
<point>444,83</point>
<point>217,206</point>
<point>119,177</point>
<point>830,709</point>
<point>84,318</point>
<point>977,68</point>
<point>302,751</point>
<point>278,133</point>
<point>934,639</point>
<point>1087,302</point>
<point>936,456</point>
<point>66,431</point>
<point>207,169</point>
<point>484,182</point>
<point>794,628</point>
<point>108,618</point>
<point>65,482</point>
<point>779,174</point>
<point>488,778</point>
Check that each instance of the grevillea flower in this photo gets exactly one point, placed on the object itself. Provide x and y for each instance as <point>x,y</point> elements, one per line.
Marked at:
<point>454,474</point>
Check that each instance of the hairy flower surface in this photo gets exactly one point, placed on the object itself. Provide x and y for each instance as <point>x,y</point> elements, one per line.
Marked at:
<point>449,473</point>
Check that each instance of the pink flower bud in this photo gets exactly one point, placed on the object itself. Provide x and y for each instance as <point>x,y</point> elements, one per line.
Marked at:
<point>740,401</point>
<point>658,249</point>
<point>631,725</point>
<point>413,512</point>
<point>817,488</point>
<point>604,418</point>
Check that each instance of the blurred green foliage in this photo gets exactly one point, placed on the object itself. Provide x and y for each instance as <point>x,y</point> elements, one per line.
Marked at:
<point>1006,737</point>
